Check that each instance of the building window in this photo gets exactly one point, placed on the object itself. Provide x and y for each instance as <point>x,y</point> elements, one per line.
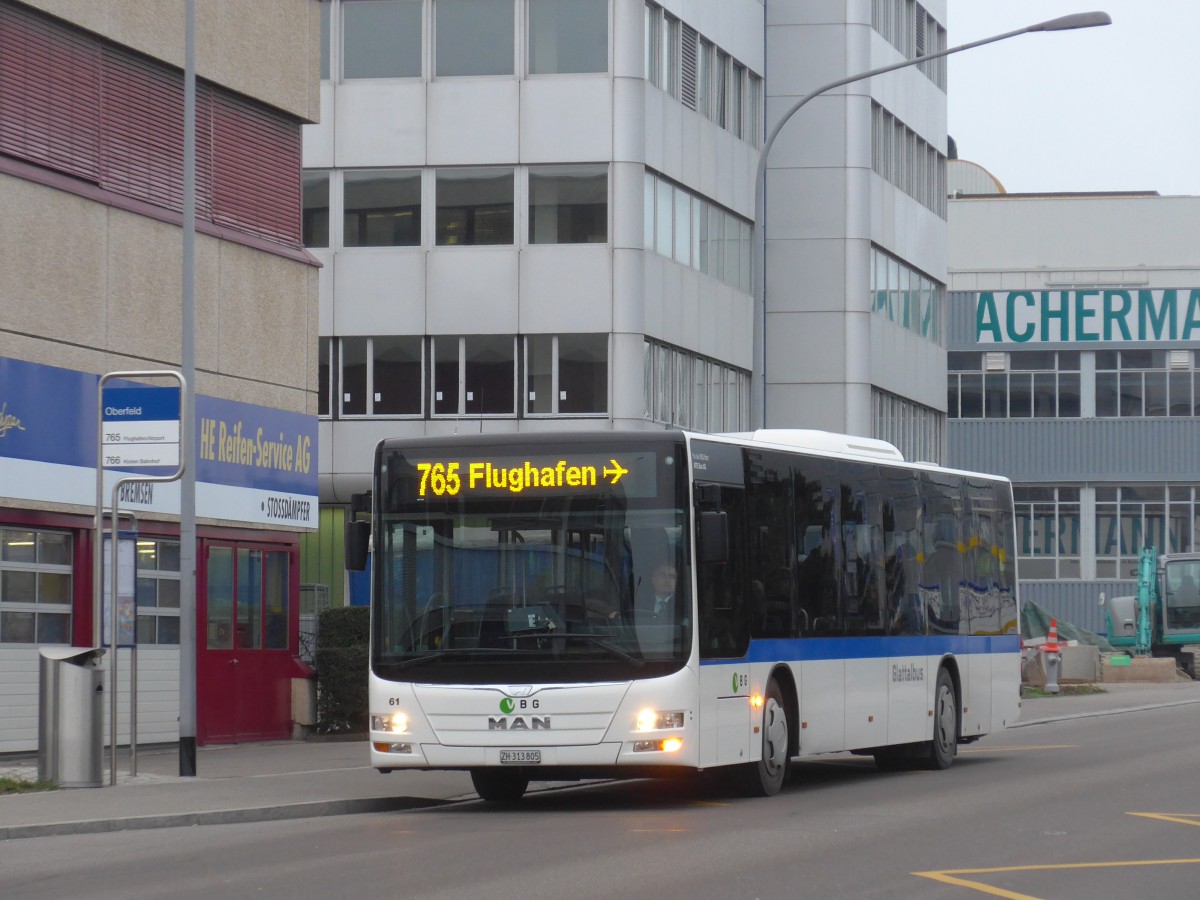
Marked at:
<point>36,588</point>
<point>353,382</point>
<point>1047,532</point>
<point>668,78</point>
<point>902,158</point>
<point>381,376</point>
<point>566,374</point>
<point>324,368</point>
<point>474,207</point>
<point>905,296</point>
<point>653,43</point>
<point>1132,517</point>
<point>247,599</point>
<point>381,39</point>
<point>693,232</point>
<point>908,27</point>
<point>690,391</point>
<point>700,75</point>
<point>396,376</point>
<point>567,36</point>
<point>473,37</point>
<point>1139,383</point>
<point>474,375</point>
<point>382,208</point>
<point>1022,385</point>
<point>705,61</point>
<point>568,205</point>
<point>316,209</point>
<point>157,591</point>
<point>916,431</point>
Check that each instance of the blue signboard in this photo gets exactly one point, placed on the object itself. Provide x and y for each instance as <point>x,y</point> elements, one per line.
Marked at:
<point>253,463</point>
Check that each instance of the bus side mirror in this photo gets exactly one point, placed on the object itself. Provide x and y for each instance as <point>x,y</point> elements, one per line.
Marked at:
<point>713,539</point>
<point>358,544</point>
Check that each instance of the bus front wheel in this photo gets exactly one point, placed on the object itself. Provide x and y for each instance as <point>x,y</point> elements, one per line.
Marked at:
<point>765,777</point>
<point>500,785</point>
<point>945,723</point>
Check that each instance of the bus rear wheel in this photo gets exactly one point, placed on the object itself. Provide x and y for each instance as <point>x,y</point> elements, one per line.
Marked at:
<point>944,745</point>
<point>500,785</point>
<point>765,777</point>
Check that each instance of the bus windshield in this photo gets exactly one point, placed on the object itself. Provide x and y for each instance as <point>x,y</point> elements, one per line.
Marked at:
<point>502,563</point>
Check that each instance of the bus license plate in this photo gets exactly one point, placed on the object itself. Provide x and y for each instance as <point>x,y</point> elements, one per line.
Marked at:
<point>520,757</point>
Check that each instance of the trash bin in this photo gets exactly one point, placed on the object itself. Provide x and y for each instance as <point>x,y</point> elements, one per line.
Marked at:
<point>70,716</point>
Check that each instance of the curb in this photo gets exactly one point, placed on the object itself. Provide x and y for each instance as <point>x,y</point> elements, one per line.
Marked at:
<point>222,817</point>
<point>1100,712</point>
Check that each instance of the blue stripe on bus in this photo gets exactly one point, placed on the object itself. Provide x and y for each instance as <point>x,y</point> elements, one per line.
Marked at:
<point>814,648</point>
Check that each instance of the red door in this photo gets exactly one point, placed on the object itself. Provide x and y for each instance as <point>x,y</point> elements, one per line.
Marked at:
<point>244,661</point>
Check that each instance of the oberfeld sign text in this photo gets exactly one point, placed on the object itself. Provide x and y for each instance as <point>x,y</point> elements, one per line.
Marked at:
<point>1093,314</point>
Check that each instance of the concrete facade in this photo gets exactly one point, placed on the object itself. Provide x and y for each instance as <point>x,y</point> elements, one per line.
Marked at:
<point>91,283</point>
<point>833,361</point>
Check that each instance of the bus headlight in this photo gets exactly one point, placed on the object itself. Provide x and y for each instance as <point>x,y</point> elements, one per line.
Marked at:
<point>653,720</point>
<point>394,723</point>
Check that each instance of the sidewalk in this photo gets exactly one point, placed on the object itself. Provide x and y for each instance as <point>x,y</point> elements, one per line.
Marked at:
<point>302,779</point>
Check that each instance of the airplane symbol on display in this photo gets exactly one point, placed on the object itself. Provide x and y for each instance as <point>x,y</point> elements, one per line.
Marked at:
<point>616,471</point>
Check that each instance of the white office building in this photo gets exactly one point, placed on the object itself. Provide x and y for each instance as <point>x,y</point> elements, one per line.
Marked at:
<point>538,214</point>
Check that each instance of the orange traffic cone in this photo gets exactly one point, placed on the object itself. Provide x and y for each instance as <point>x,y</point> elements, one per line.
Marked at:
<point>1051,645</point>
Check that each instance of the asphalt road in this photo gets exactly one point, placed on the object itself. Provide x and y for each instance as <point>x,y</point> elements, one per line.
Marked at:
<point>1088,808</point>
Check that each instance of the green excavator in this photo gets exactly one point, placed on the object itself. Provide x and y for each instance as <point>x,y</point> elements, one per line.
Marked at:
<point>1163,618</point>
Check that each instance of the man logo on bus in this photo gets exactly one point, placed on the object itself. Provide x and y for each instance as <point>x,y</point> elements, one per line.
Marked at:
<point>507,705</point>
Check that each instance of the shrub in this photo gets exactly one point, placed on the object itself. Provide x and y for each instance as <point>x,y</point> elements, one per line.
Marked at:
<point>341,662</point>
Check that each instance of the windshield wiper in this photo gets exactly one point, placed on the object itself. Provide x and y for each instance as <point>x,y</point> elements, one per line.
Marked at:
<point>464,652</point>
<point>636,661</point>
<point>421,660</point>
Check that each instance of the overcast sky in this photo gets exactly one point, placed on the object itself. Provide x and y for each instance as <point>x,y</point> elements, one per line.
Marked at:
<point>1100,109</point>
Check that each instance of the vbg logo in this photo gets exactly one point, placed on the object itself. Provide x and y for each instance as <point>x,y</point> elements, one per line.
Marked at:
<point>518,723</point>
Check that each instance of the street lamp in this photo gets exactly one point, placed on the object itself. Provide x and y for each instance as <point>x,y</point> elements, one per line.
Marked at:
<point>758,403</point>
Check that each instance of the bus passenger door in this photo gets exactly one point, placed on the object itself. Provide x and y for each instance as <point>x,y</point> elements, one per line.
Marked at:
<point>724,634</point>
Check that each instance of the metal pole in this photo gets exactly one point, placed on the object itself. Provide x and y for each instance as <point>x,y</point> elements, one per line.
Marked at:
<point>112,641</point>
<point>759,384</point>
<point>187,491</point>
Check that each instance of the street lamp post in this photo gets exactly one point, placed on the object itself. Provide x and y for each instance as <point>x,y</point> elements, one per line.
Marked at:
<point>759,383</point>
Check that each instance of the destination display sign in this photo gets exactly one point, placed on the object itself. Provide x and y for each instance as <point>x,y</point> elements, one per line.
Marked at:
<point>632,473</point>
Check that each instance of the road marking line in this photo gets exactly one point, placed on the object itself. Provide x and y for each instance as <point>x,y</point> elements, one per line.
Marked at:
<point>1012,749</point>
<point>1181,818</point>
<point>946,876</point>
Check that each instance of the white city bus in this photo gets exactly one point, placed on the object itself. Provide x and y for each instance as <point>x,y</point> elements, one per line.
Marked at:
<point>828,597</point>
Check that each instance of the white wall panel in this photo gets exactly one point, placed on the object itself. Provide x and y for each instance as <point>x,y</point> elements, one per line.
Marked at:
<point>630,114</point>
<point>324,289</point>
<point>379,122</point>
<point>814,137</point>
<point>379,290</point>
<point>317,140</point>
<point>472,290</point>
<point>473,121</point>
<point>635,274</point>
<point>806,203</point>
<point>806,275</point>
<point>566,119</point>
<point>806,347</point>
<point>565,289</point>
